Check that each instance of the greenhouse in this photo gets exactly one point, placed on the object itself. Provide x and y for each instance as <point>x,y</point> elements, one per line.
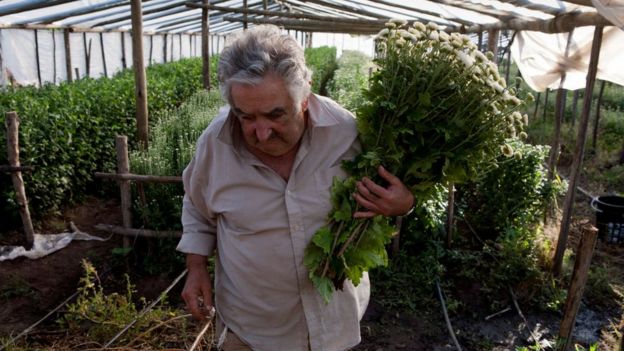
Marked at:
<point>312,175</point>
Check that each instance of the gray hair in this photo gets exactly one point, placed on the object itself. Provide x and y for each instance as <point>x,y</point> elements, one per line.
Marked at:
<point>263,50</point>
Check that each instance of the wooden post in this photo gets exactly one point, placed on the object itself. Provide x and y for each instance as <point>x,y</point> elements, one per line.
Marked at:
<point>450,215</point>
<point>12,127</point>
<point>577,285</point>
<point>123,50</point>
<point>537,101</point>
<point>205,48</point>
<point>77,73</point>
<point>574,107</point>
<point>53,57</point>
<point>149,61</point>
<point>493,43</point>
<point>165,48</point>
<point>103,55</point>
<point>545,105</point>
<point>579,151</point>
<point>68,63</point>
<point>597,118</point>
<point>139,73</point>
<point>123,167</point>
<point>37,57</point>
<point>559,111</point>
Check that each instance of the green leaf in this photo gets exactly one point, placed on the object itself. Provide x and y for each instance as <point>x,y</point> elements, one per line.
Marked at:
<point>323,238</point>
<point>324,286</point>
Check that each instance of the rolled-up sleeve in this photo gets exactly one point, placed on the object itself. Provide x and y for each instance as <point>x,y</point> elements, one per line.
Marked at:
<point>199,236</point>
<point>198,221</point>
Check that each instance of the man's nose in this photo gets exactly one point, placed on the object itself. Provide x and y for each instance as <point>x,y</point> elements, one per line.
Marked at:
<point>263,132</point>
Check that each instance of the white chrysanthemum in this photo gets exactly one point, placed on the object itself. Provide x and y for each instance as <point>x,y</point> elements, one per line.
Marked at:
<point>477,70</point>
<point>472,46</point>
<point>517,116</point>
<point>502,82</point>
<point>400,42</point>
<point>525,119</point>
<point>434,36</point>
<point>516,101</point>
<point>479,56</point>
<point>444,36</point>
<point>494,109</point>
<point>489,55</point>
<point>419,26</point>
<point>384,32</point>
<point>464,58</point>
<point>523,135</point>
<point>456,43</point>
<point>446,47</point>
<point>399,22</point>
<point>518,155</point>
<point>432,26</point>
<point>507,150</point>
<point>390,25</point>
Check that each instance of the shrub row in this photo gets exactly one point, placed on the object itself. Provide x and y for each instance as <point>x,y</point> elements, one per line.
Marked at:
<point>172,145</point>
<point>67,131</point>
<point>322,62</point>
<point>350,79</point>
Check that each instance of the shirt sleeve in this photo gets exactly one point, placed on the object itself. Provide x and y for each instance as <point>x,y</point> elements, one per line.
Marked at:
<point>199,225</point>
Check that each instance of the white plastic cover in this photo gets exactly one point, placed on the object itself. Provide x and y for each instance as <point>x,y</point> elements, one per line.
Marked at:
<point>612,10</point>
<point>44,245</point>
<point>541,57</point>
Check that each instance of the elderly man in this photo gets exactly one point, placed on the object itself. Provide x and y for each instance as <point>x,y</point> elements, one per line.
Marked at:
<point>257,190</point>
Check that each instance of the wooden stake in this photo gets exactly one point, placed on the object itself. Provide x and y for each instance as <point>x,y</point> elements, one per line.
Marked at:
<point>139,74</point>
<point>12,127</point>
<point>131,232</point>
<point>579,151</point>
<point>545,105</point>
<point>123,167</point>
<point>149,61</point>
<point>68,63</point>
<point>103,55</point>
<point>37,56</point>
<point>597,118</point>
<point>205,48</point>
<point>140,178</point>
<point>493,44</point>
<point>559,110</point>
<point>450,215</point>
<point>537,101</point>
<point>574,107</point>
<point>53,57</point>
<point>123,50</point>
<point>577,285</point>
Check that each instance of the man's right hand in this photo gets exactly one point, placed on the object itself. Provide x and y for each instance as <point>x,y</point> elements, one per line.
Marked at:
<point>197,293</point>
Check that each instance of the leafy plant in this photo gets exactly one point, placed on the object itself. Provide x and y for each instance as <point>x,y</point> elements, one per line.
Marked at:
<point>437,111</point>
<point>102,315</point>
<point>322,62</point>
<point>350,79</point>
<point>67,132</point>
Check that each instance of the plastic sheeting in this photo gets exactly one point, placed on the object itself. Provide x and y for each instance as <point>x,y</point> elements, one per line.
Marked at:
<point>612,10</point>
<point>19,53</point>
<point>44,245</point>
<point>542,59</point>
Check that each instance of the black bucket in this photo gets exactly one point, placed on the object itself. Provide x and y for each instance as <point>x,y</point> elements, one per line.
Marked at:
<point>609,218</point>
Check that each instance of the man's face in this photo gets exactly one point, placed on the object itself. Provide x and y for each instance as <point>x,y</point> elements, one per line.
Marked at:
<point>269,121</point>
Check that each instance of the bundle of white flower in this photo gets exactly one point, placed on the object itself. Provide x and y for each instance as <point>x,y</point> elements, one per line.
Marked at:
<point>437,111</point>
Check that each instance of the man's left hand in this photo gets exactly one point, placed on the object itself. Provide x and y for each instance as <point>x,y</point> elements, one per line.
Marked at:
<point>394,200</point>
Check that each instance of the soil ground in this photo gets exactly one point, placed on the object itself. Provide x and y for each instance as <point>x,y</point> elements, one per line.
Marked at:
<point>31,288</point>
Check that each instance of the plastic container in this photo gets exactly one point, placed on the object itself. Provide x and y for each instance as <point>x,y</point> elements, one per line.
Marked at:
<point>609,218</point>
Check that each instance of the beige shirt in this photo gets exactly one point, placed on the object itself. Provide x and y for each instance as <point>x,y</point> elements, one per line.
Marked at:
<point>261,225</point>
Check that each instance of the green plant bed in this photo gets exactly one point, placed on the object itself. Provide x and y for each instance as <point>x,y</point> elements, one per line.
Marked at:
<point>68,131</point>
<point>322,62</point>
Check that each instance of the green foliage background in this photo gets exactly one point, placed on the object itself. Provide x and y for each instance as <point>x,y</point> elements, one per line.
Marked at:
<point>68,131</point>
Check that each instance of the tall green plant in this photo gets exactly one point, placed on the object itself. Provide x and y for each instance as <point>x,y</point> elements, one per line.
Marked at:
<point>67,131</point>
<point>350,80</point>
<point>322,62</point>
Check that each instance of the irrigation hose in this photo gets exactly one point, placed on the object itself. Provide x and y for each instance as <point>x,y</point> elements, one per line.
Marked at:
<point>446,316</point>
